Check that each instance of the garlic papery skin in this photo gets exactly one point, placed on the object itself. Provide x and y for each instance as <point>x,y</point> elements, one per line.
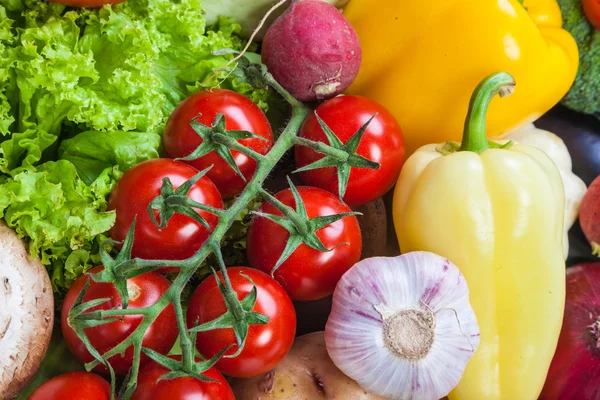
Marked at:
<point>403,327</point>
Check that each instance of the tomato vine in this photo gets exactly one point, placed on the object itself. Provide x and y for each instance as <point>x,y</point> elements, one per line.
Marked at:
<point>239,315</point>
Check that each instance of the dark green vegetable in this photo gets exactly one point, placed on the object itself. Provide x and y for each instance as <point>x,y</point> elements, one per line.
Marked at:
<point>584,96</point>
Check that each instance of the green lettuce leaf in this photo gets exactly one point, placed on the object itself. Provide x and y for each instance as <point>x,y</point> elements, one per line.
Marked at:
<point>93,152</point>
<point>58,213</point>
<point>7,78</point>
<point>84,95</point>
<point>117,68</point>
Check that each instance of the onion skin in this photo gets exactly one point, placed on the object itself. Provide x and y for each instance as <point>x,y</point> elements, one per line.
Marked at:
<point>575,369</point>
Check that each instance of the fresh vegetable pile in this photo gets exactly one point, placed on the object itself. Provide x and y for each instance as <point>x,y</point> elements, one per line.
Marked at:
<point>84,96</point>
<point>204,193</point>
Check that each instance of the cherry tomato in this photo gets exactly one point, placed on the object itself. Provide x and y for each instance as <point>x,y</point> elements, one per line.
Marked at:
<point>87,3</point>
<point>267,344</point>
<point>183,236</point>
<point>307,274</point>
<point>144,291</point>
<point>150,388</point>
<point>180,140</point>
<point>382,143</point>
<point>74,385</point>
<point>592,11</point>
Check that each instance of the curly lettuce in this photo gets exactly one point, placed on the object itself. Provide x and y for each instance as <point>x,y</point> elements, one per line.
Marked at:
<point>85,95</point>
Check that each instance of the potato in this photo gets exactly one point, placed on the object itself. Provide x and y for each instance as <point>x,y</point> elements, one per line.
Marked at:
<point>306,373</point>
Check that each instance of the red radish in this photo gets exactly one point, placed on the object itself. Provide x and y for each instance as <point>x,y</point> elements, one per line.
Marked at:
<point>589,215</point>
<point>312,50</point>
<point>575,370</point>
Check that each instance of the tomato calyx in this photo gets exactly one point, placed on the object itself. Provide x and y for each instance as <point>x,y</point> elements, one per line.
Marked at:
<point>79,320</point>
<point>217,138</point>
<point>239,315</point>
<point>254,73</point>
<point>337,154</point>
<point>172,201</point>
<point>178,369</point>
<point>301,228</point>
<point>113,271</point>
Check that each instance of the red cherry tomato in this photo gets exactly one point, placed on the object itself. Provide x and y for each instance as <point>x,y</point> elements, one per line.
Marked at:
<point>592,11</point>
<point>144,291</point>
<point>74,385</point>
<point>150,388</point>
<point>180,140</point>
<point>87,3</point>
<point>266,344</point>
<point>183,236</point>
<point>307,274</point>
<point>382,143</point>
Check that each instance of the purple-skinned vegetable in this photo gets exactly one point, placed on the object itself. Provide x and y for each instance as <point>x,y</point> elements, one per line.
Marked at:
<point>312,51</point>
<point>403,327</point>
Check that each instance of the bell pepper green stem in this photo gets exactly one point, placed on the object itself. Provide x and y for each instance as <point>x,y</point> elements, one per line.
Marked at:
<point>475,135</point>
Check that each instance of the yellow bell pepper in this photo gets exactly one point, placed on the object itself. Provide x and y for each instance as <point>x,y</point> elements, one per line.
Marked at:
<point>421,59</point>
<point>496,211</point>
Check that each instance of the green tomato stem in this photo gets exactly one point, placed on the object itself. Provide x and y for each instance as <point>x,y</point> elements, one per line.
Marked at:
<point>235,145</point>
<point>320,147</point>
<point>475,134</point>
<point>187,353</point>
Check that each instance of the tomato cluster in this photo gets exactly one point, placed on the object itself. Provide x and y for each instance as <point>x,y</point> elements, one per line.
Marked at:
<point>307,273</point>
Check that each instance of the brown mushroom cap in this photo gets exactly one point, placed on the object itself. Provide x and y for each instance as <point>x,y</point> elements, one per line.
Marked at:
<point>26,314</point>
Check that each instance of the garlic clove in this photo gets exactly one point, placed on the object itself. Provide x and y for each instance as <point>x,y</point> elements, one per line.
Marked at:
<point>403,327</point>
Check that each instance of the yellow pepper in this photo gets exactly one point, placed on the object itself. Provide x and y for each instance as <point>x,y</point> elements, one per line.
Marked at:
<point>496,211</point>
<point>421,60</point>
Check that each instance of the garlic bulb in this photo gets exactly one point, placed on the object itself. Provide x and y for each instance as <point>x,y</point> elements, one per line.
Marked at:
<point>402,327</point>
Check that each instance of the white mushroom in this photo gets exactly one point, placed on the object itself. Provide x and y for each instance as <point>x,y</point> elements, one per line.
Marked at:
<point>26,314</point>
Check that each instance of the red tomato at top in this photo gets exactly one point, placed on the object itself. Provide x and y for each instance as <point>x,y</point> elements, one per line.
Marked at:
<point>87,3</point>
<point>266,344</point>
<point>183,236</point>
<point>180,139</point>
<point>592,12</point>
<point>382,143</point>
<point>150,388</point>
<point>74,385</point>
<point>144,291</point>
<point>307,274</point>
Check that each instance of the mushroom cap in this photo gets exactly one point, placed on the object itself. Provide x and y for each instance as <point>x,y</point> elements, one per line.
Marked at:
<point>26,314</point>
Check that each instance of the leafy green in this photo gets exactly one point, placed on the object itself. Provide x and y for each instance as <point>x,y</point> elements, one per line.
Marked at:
<point>58,213</point>
<point>584,95</point>
<point>93,152</point>
<point>121,68</point>
<point>85,95</point>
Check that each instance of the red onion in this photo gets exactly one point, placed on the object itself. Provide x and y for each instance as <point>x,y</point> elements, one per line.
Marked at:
<point>575,369</point>
<point>403,327</point>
